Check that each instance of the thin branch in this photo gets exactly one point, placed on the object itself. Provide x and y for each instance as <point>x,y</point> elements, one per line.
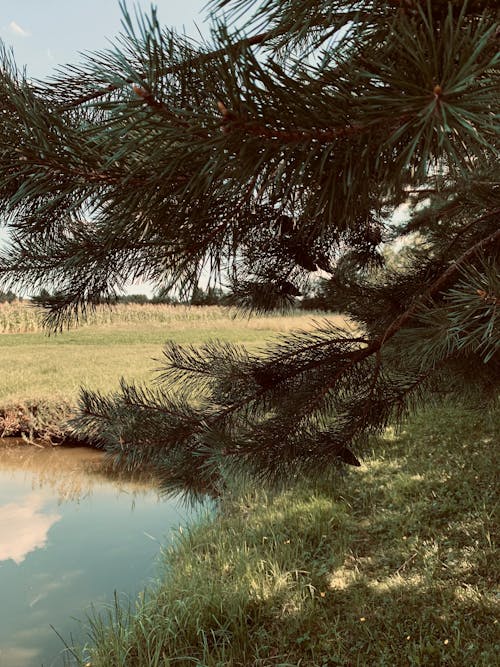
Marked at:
<point>231,122</point>
<point>319,344</point>
<point>436,287</point>
<point>470,224</point>
<point>103,178</point>
<point>162,109</point>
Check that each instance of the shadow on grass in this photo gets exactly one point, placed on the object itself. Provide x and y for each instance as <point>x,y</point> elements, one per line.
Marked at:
<point>393,565</point>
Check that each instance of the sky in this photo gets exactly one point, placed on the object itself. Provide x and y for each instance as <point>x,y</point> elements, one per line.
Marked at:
<point>47,33</point>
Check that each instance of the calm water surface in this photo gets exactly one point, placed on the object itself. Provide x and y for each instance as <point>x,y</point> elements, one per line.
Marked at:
<point>69,538</point>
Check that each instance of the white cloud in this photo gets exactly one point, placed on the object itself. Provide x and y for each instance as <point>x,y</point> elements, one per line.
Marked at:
<point>24,528</point>
<point>16,29</point>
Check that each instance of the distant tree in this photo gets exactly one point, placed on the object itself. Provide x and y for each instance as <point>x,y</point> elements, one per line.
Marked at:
<point>8,297</point>
<point>164,296</point>
<point>265,156</point>
<point>133,298</point>
<point>212,296</point>
<point>43,297</point>
<point>317,297</point>
<point>47,299</point>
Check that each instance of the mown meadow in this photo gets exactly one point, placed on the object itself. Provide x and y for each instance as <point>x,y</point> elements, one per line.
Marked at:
<point>124,341</point>
<point>42,374</point>
<point>394,563</point>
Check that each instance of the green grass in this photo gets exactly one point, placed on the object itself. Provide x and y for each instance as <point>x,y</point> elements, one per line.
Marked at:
<point>121,342</point>
<point>394,564</point>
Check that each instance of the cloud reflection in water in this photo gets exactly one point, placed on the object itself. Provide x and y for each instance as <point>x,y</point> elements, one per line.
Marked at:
<point>24,527</point>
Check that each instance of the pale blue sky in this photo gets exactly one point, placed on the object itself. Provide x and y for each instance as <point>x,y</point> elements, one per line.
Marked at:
<point>47,33</point>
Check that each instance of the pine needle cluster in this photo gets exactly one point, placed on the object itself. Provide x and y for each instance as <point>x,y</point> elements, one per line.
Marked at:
<point>262,155</point>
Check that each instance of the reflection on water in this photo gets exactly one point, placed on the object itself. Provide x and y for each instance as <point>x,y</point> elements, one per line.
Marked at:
<point>69,537</point>
<point>24,527</point>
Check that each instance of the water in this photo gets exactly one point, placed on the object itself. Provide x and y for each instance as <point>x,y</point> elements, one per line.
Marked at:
<point>69,538</point>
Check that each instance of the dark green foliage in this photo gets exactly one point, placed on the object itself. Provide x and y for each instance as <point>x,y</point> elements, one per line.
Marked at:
<point>45,299</point>
<point>212,296</point>
<point>163,296</point>
<point>133,298</point>
<point>260,157</point>
<point>8,297</point>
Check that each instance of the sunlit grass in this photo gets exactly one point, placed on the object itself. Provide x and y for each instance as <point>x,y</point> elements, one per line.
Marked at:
<point>121,342</point>
<point>394,564</point>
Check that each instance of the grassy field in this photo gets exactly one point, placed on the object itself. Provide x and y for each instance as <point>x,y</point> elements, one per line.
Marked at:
<point>394,565</point>
<point>124,341</point>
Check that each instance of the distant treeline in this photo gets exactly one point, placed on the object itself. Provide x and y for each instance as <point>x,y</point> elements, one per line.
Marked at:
<point>9,297</point>
<point>317,298</point>
<point>212,296</point>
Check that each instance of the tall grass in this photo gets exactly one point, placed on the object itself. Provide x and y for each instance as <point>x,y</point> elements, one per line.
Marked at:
<point>393,565</point>
<point>24,317</point>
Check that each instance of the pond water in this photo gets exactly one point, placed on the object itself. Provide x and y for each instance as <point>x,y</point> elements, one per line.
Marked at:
<point>70,538</point>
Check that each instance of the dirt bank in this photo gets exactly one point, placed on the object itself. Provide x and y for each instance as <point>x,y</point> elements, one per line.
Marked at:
<point>41,422</point>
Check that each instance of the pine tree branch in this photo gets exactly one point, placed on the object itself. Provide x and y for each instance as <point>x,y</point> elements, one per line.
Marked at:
<point>469,225</point>
<point>162,109</point>
<point>477,6</point>
<point>321,344</point>
<point>231,122</point>
<point>98,177</point>
<point>357,356</point>
<point>436,287</point>
<point>487,297</point>
<point>190,62</point>
<point>375,346</point>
